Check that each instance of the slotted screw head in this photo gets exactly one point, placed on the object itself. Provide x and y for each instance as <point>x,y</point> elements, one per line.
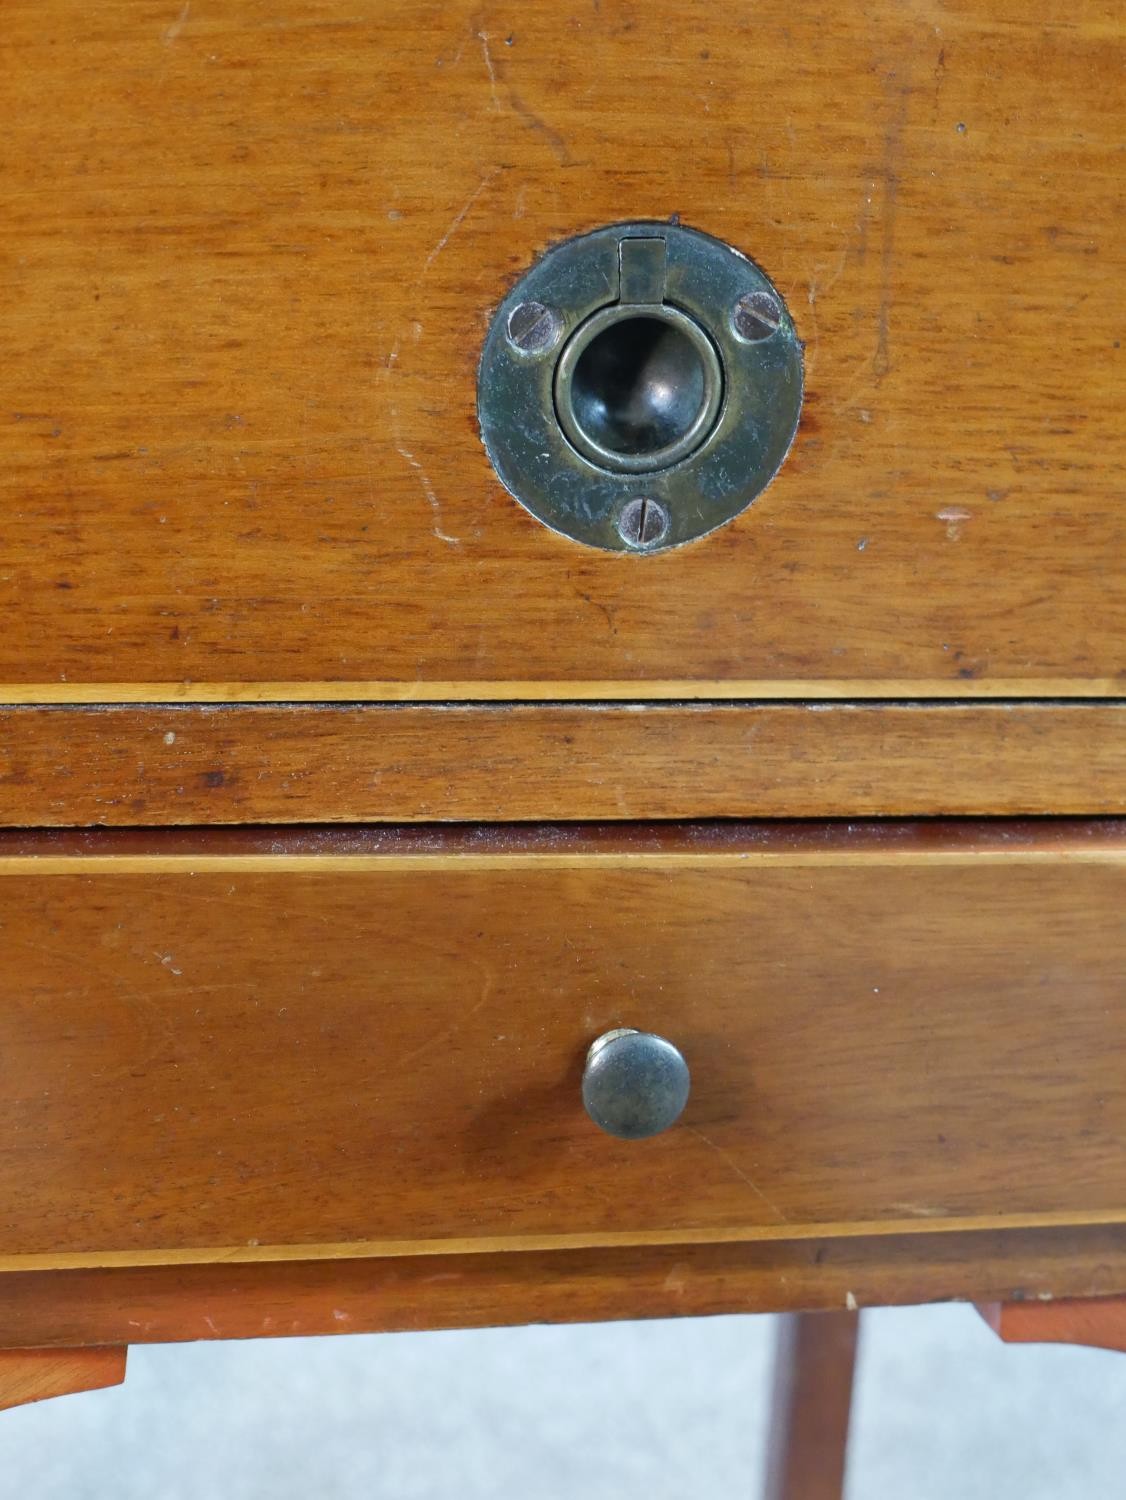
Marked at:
<point>755,317</point>
<point>533,327</point>
<point>643,522</point>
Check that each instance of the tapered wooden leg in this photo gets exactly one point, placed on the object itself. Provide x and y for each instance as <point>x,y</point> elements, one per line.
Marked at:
<point>813,1372</point>
<point>35,1374</point>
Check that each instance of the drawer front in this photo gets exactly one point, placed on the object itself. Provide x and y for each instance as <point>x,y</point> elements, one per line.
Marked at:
<point>180,764</point>
<point>348,1048</point>
<point>245,306</point>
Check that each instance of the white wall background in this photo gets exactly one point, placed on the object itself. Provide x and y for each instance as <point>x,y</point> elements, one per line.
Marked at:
<point>656,1411</point>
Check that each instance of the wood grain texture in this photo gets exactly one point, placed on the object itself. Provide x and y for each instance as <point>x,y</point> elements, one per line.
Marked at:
<point>165,1304</point>
<point>249,258</point>
<point>180,765</point>
<point>28,1375</point>
<point>301,1055</point>
<point>1097,1322</point>
<point>814,1363</point>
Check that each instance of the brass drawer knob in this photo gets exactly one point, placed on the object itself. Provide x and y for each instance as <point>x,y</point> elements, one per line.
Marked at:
<point>635,1084</point>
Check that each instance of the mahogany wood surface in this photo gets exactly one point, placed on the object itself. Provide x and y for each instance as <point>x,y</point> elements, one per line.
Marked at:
<point>338,763</point>
<point>815,1359</point>
<point>249,258</point>
<point>336,1052</point>
<point>38,1374</point>
<point>166,1304</point>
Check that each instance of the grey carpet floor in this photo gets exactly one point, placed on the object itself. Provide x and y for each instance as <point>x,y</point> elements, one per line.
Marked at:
<point>657,1411</point>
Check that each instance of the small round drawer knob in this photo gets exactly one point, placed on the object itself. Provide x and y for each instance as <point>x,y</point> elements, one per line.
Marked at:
<point>634,1084</point>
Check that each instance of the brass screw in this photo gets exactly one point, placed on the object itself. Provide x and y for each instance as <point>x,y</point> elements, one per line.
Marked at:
<point>533,327</point>
<point>755,317</point>
<point>642,522</point>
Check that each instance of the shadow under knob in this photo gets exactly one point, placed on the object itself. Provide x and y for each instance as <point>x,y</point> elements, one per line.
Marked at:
<point>635,1084</point>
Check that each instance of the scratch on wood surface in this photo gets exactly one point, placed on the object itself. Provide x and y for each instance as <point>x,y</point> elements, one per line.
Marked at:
<point>677,1279</point>
<point>488,981</point>
<point>483,37</point>
<point>177,26</point>
<point>540,127</point>
<point>953,516</point>
<point>843,399</point>
<point>303,440</point>
<point>457,221</point>
<point>855,247</point>
<point>939,73</point>
<point>428,491</point>
<point>819,288</point>
<point>523,111</point>
<point>369,468</point>
<point>423,479</point>
<point>737,1169</point>
<point>893,142</point>
<point>392,359</point>
<point>813,343</point>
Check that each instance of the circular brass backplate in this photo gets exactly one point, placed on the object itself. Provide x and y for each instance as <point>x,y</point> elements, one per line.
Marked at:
<point>639,386</point>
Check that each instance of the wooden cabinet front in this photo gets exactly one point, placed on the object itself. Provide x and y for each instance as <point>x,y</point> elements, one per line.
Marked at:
<point>251,257</point>
<point>372,1044</point>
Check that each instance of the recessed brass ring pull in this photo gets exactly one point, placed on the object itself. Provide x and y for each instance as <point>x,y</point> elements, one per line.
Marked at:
<point>639,386</point>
